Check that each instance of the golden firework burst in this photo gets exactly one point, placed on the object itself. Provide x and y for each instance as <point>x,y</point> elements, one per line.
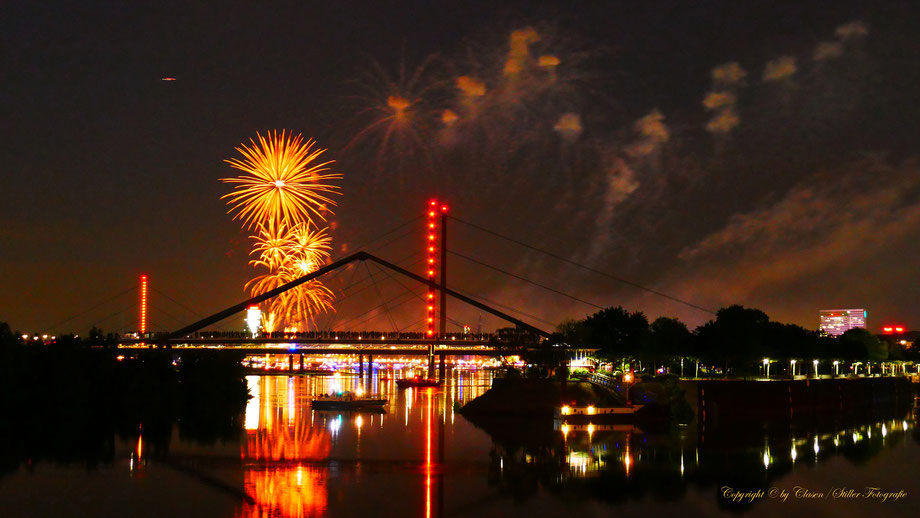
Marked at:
<point>283,183</point>
<point>288,254</point>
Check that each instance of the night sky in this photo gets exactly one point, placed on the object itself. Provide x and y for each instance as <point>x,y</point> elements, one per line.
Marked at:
<point>811,201</point>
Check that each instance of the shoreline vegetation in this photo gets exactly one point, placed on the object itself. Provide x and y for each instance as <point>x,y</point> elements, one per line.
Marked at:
<point>68,404</point>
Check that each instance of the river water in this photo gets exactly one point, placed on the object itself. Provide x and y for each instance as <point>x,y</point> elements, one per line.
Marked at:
<point>422,458</point>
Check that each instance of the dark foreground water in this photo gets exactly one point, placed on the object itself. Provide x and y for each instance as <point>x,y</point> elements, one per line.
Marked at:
<point>422,458</point>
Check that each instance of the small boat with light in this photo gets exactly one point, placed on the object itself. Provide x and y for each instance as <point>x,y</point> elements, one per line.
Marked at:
<point>418,381</point>
<point>349,401</point>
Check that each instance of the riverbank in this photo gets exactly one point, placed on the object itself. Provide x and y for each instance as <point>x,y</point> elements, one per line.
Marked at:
<point>537,398</point>
<point>736,400</point>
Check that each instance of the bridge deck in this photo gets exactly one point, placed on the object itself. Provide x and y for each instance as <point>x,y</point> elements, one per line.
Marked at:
<point>375,350</point>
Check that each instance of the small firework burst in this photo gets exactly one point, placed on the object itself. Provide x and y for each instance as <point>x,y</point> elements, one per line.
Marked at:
<point>780,68</point>
<point>728,74</point>
<point>396,113</point>
<point>827,50</point>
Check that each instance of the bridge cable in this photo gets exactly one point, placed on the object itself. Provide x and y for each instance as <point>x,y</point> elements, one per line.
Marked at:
<point>380,297</point>
<point>117,313</point>
<point>505,306</point>
<point>585,267</point>
<point>394,306</point>
<point>525,279</point>
<point>349,295</point>
<point>96,306</point>
<point>176,302</point>
<point>375,308</point>
<point>378,307</point>
<point>332,315</point>
<point>397,281</point>
<point>164,312</point>
<point>337,273</point>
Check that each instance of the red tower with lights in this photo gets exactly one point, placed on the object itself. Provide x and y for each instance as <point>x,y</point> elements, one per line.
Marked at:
<point>436,221</point>
<point>143,326</point>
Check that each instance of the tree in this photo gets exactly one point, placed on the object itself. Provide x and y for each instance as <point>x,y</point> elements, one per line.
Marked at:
<point>617,332</point>
<point>860,344</point>
<point>668,337</point>
<point>7,337</point>
<point>737,336</point>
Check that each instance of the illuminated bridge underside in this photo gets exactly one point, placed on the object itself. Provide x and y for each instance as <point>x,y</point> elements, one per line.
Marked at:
<point>344,350</point>
<point>369,342</point>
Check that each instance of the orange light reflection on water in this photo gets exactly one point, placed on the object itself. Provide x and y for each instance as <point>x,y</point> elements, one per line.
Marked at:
<point>276,440</point>
<point>290,492</point>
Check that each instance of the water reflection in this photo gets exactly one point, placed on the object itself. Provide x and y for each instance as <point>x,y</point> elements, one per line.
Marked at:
<point>618,463</point>
<point>290,450</point>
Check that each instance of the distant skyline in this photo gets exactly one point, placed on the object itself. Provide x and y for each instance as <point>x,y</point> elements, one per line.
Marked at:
<point>601,132</point>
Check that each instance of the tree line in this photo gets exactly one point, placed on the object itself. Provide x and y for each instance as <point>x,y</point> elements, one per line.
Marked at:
<point>737,340</point>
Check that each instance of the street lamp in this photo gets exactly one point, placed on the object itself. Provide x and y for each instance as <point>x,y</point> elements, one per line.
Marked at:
<point>627,378</point>
<point>792,367</point>
<point>815,363</point>
<point>766,367</point>
<point>836,368</point>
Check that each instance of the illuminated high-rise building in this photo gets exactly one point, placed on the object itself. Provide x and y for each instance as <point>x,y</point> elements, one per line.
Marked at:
<point>835,322</point>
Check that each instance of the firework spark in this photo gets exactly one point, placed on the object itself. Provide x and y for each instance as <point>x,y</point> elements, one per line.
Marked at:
<point>282,181</point>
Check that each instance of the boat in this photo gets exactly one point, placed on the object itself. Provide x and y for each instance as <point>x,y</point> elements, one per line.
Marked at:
<point>418,381</point>
<point>348,401</point>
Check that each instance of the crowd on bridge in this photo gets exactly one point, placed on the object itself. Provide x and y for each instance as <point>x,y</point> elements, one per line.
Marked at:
<point>347,336</point>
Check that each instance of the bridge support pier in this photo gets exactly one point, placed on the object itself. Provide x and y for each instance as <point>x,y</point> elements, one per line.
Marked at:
<point>370,369</point>
<point>360,366</point>
<point>431,360</point>
<point>301,363</point>
<point>290,363</point>
<point>442,367</point>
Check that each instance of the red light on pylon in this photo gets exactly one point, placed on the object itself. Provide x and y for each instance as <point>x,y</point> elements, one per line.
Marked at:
<point>888,329</point>
<point>432,225</point>
<point>143,319</point>
<point>899,329</point>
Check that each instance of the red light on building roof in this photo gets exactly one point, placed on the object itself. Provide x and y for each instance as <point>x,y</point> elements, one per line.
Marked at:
<point>899,329</point>
<point>887,329</point>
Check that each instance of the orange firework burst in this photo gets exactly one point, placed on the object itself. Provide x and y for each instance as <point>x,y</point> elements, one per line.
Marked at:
<point>397,112</point>
<point>282,184</point>
<point>288,254</point>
